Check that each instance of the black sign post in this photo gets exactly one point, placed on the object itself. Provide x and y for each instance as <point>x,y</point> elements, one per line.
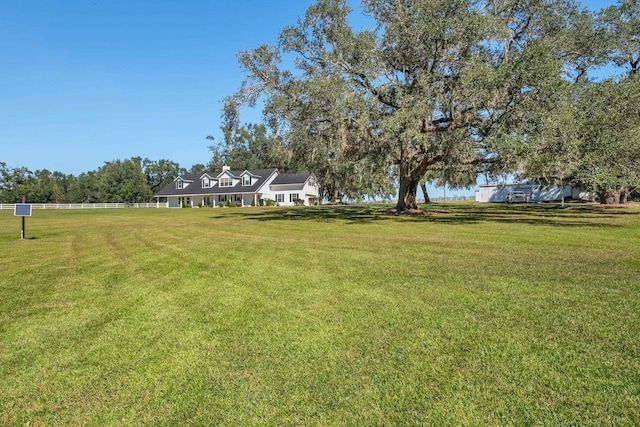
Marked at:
<point>23,210</point>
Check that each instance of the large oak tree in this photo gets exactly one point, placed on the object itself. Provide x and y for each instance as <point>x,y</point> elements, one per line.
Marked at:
<point>432,85</point>
<point>592,139</point>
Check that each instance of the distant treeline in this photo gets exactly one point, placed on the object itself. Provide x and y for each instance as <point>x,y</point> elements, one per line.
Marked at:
<point>133,180</point>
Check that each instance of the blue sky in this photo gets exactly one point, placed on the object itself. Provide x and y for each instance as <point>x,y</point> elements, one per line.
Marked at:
<point>84,82</point>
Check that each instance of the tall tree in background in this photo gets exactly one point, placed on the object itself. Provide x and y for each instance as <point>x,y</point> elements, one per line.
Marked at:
<point>198,168</point>
<point>592,137</point>
<point>49,187</point>
<point>132,180</point>
<point>611,109</point>
<point>608,117</point>
<point>123,181</point>
<point>14,183</point>
<point>436,82</point>
<point>249,147</point>
<point>85,189</point>
<point>592,140</point>
<point>621,23</point>
<point>159,173</point>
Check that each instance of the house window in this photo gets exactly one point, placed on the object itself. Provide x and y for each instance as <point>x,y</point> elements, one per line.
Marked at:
<point>293,197</point>
<point>280,198</point>
<point>179,184</point>
<point>246,180</point>
<point>222,198</point>
<point>226,182</point>
<point>206,183</point>
<point>238,197</point>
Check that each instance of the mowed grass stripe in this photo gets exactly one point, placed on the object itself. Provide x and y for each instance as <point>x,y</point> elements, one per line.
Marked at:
<point>325,316</point>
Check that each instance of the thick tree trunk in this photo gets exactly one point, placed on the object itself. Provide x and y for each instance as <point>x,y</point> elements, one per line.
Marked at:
<point>423,185</point>
<point>336,198</point>
<point>622,196</point>
<point>410,175</point>
<point>619,196</point>
<point>603,196</point>
<point>407,194</point>
<point>608,198</point>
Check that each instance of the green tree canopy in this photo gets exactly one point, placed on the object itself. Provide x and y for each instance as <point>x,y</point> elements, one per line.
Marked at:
<point>15,182</point>
<point>159,173</point>
<point>123,181</point>
<point>608,140</point>
<point>132,180</point>
<point>621,24</point>
<point>250,146</point>
<point>433,85</point>
<point>591,138</point>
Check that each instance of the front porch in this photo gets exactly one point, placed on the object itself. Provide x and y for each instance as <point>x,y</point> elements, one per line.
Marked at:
<point>214,200</point>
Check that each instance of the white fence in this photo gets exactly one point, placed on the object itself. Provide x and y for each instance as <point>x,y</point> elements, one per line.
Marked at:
<point>87,205</point>
<point>451,199</point>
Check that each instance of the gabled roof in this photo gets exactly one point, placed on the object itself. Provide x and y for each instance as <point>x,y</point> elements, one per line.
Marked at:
<point>195,186</point>
<point>227,172</point>
<point>208,175</point>
<point>291,178</point>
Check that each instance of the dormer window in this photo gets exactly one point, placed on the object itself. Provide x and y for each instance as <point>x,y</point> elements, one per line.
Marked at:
<point>246,180</point>
<point>226,182</point>
<point>206,183</point>
<point>179,184</point>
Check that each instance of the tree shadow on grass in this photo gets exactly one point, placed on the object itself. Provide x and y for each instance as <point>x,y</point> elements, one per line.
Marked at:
<point>324,213</point>
<point>539,214</point>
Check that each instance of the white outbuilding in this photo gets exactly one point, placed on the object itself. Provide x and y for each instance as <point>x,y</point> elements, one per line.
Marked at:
<point>497,193</point>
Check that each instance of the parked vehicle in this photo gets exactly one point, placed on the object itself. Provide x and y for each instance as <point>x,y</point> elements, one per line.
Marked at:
<point>517,197</point>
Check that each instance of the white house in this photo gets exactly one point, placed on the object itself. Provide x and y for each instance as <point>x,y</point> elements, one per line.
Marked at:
<point>497,193</point>
<point>241,188</point>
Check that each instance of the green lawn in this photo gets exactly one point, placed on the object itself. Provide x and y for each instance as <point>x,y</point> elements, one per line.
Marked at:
<point>471,315</point>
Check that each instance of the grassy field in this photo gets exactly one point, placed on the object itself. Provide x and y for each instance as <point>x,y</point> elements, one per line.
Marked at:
<point>471,315</point>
